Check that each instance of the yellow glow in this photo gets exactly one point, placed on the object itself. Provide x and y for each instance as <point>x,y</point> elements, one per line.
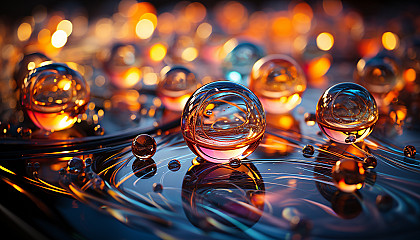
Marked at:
<point>325,41</point>
<point>24,31</point>
<point>157,52</point>
<point>31,66</point>
<point>5,169</point>
<point>44,36</point>
<point>150,78</point>
<point>66,26</point>
<point>65,122</point>
<point>145,29</point>
<point>390,41</point>
<point>59,39</point>
<point>360,65</point>
<point>410,75</point>
<point>319,67</point>
<point>64,84</point>
<point>189,54</point>
<point>150,16</point>
<point>204,30</point>
<point>132,76</point>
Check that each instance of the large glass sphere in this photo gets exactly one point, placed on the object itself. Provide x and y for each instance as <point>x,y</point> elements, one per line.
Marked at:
<point>54,95</point>
<point>279,82</point>
<point>27,64</point>
<point>222,121</point>
<point>346,113</point>
<point>176,87</point>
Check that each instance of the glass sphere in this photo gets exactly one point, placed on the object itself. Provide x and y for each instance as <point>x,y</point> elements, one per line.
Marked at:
<point>176,87</point>
<point>379,74</point>
<point>28,63</point>
<point>54,95</point>
<point>237,64</point>
<point>346,113</point>
<point>223,120</point>
<point>143,146</point>
<point>348,175</point>
<point>123,64</point>
<point>279,82</point>
<point>409,151</point>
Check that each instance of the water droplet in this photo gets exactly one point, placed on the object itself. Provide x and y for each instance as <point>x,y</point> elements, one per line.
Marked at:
<point>410,151</point>
<point>384,202</point>
<point>370,162</point>
<point>346,113</point>
<point>348,175</point>
<point>235,163</point>
<point>279,82</point>
<point>157,187</point>
<point>143,146</point>
<point>75,165</point>
<point>310,119</point>
<point>174,165</point>
<point>308,150</point>
<point>221,137</point>
<point>88,161</point>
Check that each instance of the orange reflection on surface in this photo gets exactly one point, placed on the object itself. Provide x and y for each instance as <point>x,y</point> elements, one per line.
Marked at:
<point>325,41</point>
<point>157,52</point>
<point>318,67</point>
<point>369,47</point>
<point>390,41</point>
<point>410,75</point>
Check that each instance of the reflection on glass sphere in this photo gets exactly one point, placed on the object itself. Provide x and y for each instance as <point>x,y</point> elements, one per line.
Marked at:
<point>410,151</point>
<point>176,87</point>
<point>238,193</point>
<point>144,168</point>
<point>53,96</point>
<point>346,113</point>
<point>143,146</point>
<point>28,63</point>
<point>348,175</point>
<point>223,120</point>
<point>237,64</point>
<point>279,82</point>
<point>123,65</point>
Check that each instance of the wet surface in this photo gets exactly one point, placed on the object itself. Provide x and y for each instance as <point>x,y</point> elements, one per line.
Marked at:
<point>276,192</point>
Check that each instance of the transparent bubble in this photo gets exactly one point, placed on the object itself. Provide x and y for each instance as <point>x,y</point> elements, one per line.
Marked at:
<point>279,82</point>
<point>75,165</point>
<point>370,162</point>
<point>99,130</point>
<point>123,65</point>
<point>310,119</point>
<point>346,113</point>
<point>410,151</point>
<point>384,202</point>
<point>235,163</point>
<point>28,63</point>
<point>379,74</point>
<point>54,95</point>
<point>237,64</point>
<point>176,87</point>
<point>143,146</point>
<point>348,175</point>
<point>308,150</point>
<point>157,187</point>
<point>223,120</point>
<point>174,165</point>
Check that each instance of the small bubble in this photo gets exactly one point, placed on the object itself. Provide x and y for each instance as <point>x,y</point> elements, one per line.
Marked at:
<point>88,161</point>
<point>208,112</point>
<point>410,151</point>
<point>310,119</point>
<point>174,165</point>
<point>62,171</point>
<point>75,165</point>
<point>384,202</point>
<point>350,139</point>
<point>235,163</point>
<point>308,150</point>
<point>157,187</point>
<point>37,166</point>
<point>144,168</point>
<point>143,146</point>
<point>370,162</point>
